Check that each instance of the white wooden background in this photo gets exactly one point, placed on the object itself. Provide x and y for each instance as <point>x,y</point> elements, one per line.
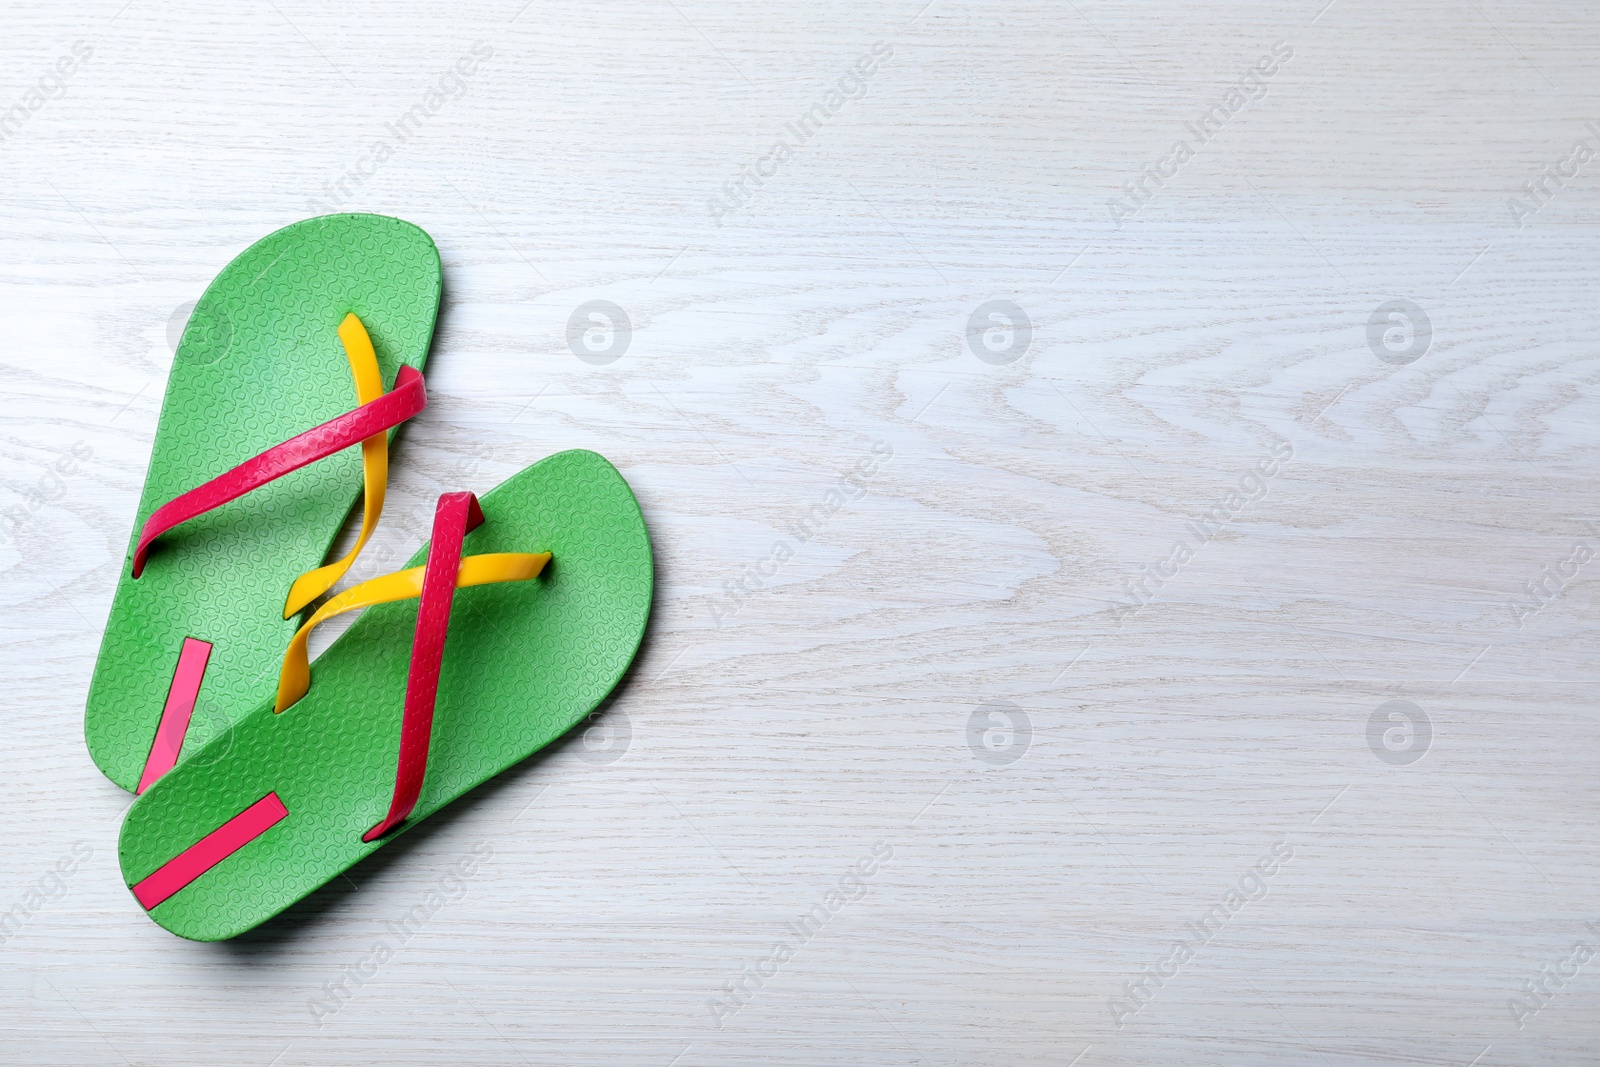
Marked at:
<point>770,748</point>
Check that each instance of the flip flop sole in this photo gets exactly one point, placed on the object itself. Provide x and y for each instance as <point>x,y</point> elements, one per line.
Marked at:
<point>523,663</point>
<point>260,361</point>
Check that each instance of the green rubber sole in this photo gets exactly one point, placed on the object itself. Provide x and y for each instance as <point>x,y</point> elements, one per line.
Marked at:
<point>524,662</point>
<point>260,361</point>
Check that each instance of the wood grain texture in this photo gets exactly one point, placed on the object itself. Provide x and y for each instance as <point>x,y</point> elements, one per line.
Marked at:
<point>775,737</point>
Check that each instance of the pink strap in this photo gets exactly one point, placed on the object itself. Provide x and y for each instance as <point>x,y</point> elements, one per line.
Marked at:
<point>408,397</point>
<point>210,850</point>
<point>192,660</point>
<point>457,515</point>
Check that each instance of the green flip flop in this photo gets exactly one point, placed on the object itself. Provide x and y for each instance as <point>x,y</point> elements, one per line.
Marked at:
<point>258,384</point>
<point>545,604</point>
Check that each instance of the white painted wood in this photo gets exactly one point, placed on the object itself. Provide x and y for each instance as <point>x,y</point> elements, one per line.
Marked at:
<point>772,746</point>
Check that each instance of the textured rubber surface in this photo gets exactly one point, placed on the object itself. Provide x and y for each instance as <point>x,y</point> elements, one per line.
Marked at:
<point>524,662</point>
<point>260,361</point>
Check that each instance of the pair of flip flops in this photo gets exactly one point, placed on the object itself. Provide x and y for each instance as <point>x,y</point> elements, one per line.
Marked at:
<point>503,632</point>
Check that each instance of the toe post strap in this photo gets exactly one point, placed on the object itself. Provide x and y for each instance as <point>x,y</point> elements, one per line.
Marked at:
<point>435,583</point>
<point>456,515</point>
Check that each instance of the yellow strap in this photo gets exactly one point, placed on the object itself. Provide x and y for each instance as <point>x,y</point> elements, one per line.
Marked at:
<point>295,678</point>
<point>374,467</point>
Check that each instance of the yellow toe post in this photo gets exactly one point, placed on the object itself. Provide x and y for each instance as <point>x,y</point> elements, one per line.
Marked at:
<point>483,569</point>
<point>374,467</point>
